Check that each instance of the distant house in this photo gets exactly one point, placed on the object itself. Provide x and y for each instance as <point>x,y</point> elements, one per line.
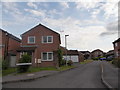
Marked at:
<point>8,46</point>
<point>110,55</point>
<point>87,54</point>
<point>97,53</point>
<point>73,55</point>
<point>42,44</point>
<point>116,45</point>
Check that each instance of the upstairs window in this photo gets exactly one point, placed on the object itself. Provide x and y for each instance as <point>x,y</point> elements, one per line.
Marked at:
<point>31,39</point>
<point>116,44</point>
<point>47,39</point>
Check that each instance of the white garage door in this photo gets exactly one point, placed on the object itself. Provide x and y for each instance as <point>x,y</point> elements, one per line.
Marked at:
<point>74,58</point>
<point>12,61</point>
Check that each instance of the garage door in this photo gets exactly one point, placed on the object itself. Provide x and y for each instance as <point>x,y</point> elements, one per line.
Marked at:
<point>74,58</point>
<point>12,61</point>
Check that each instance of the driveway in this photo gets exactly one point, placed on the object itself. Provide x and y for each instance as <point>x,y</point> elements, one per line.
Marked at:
<point>85,76</point>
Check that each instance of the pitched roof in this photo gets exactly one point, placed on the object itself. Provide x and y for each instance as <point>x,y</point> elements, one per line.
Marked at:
<point>96,50</point>
<point>45,27</point>
<point>72,52</point>
<point>11,36</point>
<point>118,40</point>
<point>42,26</point>
<point>84,52</point>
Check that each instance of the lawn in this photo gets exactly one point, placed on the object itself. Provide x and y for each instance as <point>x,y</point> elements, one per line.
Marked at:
<point>86,61</point>
<point>9,71</point>
<point>35,69</point>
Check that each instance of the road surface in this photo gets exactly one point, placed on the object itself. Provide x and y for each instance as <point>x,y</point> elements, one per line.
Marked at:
<point>85,76</point>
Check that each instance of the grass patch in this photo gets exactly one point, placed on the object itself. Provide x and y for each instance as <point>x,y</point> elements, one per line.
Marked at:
<point>65,68</point>
<point>9,71</point>
<point>35,69</point>
<point>86,61</point>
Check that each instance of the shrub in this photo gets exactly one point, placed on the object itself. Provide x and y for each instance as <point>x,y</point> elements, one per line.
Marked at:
<point>116,62</point>
<point>60,57</point>
<point>5,64</point>
<point>63,62</point>
<point>70,62</point>
<point>25,59</point>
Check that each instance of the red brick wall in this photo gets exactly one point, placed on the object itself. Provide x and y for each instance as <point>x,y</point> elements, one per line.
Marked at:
<point>116,49</point>
<point>38,32</point>
<point>96,53</point>
<point>12,45</point>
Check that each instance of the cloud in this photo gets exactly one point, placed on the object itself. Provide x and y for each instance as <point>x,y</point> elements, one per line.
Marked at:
<point>86,5</point>
<point>36,12</point>
<point>80,38</point>
<point>111,29</point>
<point>110,9</point>
<point>95,13</point>
<point>31,4</point>
<point>10,7</point>
<point>64,4</point>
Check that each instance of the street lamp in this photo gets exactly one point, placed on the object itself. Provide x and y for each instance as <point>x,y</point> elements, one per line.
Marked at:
<point>66,47</point>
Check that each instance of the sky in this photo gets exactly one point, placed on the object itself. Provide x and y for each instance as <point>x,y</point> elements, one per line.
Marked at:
<point>90,24</point>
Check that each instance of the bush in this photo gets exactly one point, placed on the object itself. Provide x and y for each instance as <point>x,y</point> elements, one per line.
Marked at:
<point>70,62</point>
<point>60,57</point>
<point>5,64</point>
<point>63,62</point>
<point>25,59</point>
<point>116,62</point>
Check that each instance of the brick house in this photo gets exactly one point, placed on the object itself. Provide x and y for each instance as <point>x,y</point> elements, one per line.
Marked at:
<point>110,54</point>
<point>86,54</point>
<point>97,53</point>
<point>116,45</point>
<point>8,46</point>
<point>73,55</point>
<point>42,44</point>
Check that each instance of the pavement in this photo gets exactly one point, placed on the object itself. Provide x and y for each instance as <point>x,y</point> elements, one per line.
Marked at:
<point>110,74</point>
<point>84,76</point>
<point>26,77</point>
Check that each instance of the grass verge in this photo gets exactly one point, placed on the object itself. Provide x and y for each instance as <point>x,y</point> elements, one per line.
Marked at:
<point>35,69</point>
<point>9,71</point>
<point>86,61</point>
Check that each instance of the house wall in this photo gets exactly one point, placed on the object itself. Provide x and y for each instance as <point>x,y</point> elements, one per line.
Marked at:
<point>38,32</point>
<point>7,41</point>
<point>13,45</point>
<point>96,53</point>
<point>81,57</point>
<point>116,49</point>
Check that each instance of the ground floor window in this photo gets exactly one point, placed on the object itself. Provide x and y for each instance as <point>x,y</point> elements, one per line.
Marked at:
<point>47,56</point>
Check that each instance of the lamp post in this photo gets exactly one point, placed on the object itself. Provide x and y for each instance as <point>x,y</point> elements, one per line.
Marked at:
<point>66,47</point>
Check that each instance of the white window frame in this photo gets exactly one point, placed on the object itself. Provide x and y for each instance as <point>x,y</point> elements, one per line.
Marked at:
<point>47,56</point>
<point>47,39</point>
<point>29,40</point>
<point>116,44</point>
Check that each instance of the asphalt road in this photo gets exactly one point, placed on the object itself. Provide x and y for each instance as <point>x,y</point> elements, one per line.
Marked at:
<point>85,76</point>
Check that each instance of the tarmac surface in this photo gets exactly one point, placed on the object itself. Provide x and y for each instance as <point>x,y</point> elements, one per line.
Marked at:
<point>84,76</point>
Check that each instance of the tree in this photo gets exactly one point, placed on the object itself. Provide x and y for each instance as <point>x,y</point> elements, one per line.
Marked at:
<point>60,57</point>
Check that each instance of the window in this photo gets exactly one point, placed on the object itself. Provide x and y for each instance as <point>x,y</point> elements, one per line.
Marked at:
<point>44,56</point>
<point>116,44</point>
<point>31,39</point>
<point>47,39</point>
<point>47,56</point>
